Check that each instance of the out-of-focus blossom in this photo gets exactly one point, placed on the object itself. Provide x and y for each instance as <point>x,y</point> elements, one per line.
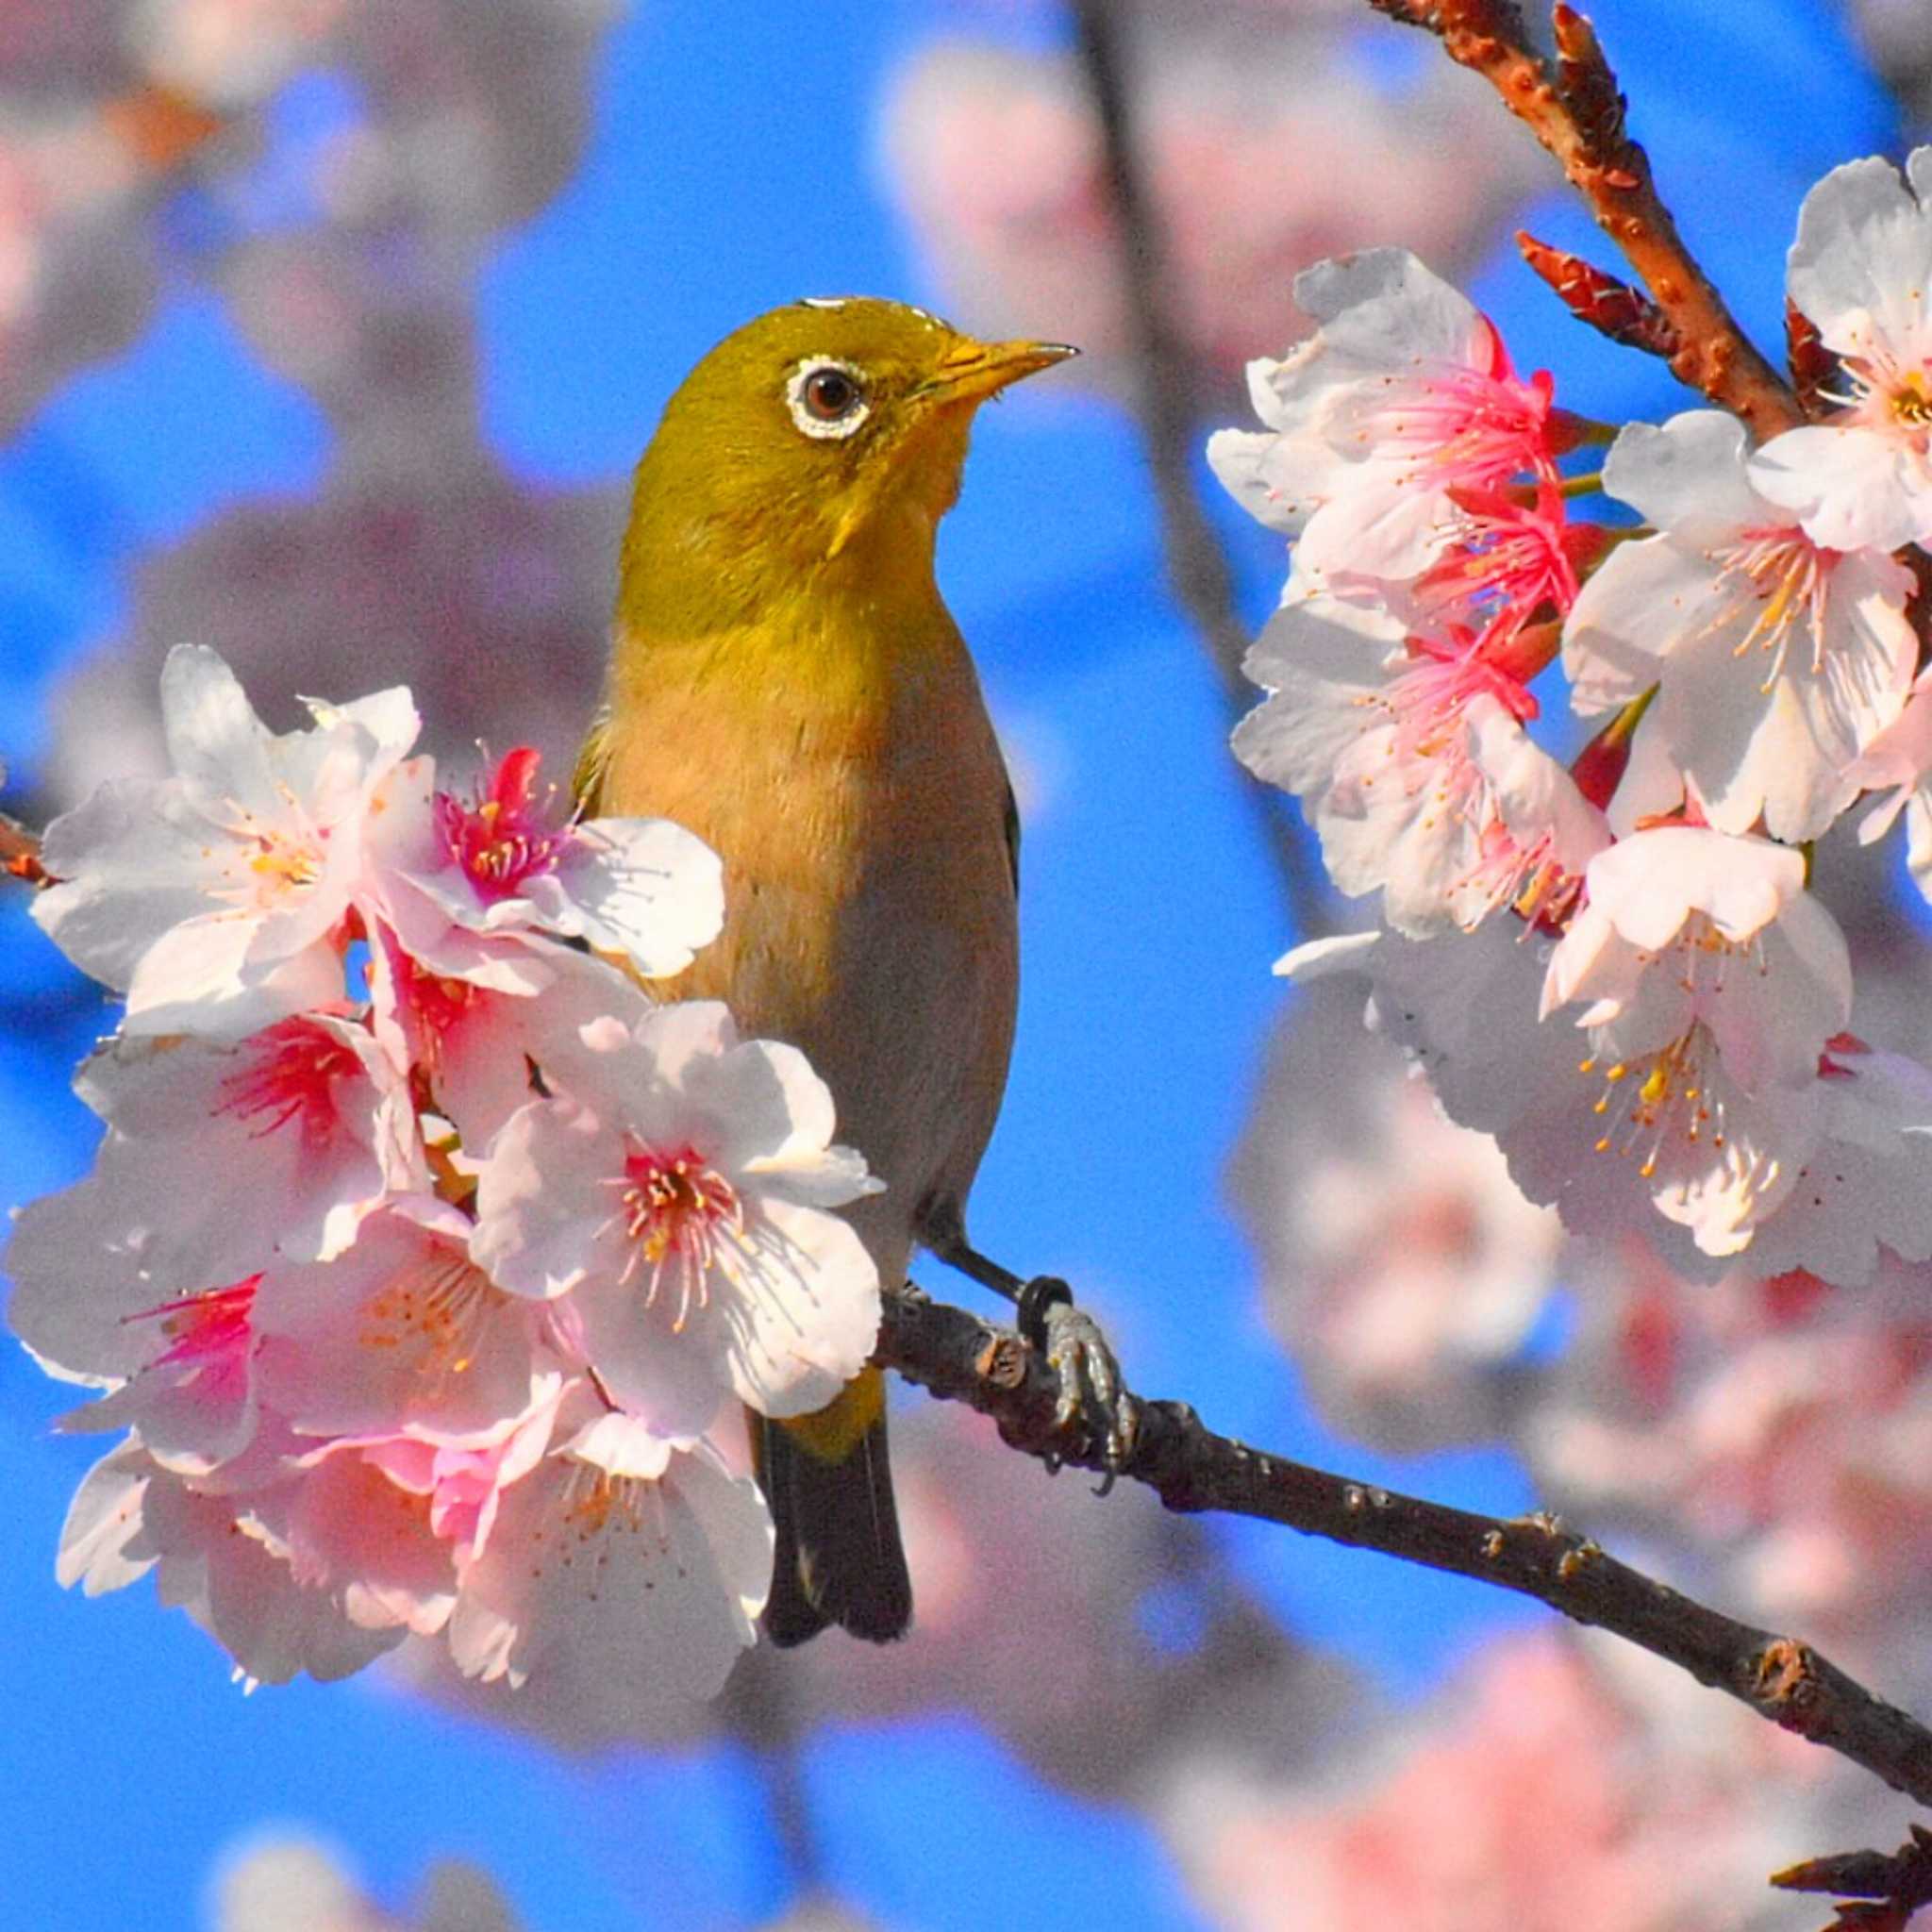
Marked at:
<point>1899,760</point>
<point>671,1202</point>
<point>1778,661</point>
<point>1788,1443</point>
<point>1860,271</point>
<point>1403,1271</point>
<point>288,1883</point>
<point>1642,1824</point>
<point>995,156</point>
<point>1403,396</point>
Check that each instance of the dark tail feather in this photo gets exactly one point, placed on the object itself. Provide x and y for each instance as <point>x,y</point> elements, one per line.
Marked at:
<point>838,1558</point>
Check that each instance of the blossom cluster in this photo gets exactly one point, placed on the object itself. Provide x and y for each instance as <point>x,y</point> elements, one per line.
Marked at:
<point>1618,968</point>
<point>426,1257</point>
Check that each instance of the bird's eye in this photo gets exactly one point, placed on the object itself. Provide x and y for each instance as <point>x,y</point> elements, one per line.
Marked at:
<point>827,398</point>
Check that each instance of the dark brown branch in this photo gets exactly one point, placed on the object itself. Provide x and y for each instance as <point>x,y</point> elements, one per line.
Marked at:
<point>961,1359</point>
<point>1577,114</point>
<point>1167,400</point>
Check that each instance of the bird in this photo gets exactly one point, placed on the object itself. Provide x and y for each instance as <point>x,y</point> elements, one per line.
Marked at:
<point>786,681</point>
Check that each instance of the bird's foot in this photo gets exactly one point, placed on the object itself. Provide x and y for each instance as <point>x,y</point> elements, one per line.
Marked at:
<point>1092,1393</point>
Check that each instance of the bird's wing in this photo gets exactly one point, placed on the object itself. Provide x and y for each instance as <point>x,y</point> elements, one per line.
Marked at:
<point>587,782</point>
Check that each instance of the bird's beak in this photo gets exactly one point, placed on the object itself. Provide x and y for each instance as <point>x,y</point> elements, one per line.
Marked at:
<point>974,371</point>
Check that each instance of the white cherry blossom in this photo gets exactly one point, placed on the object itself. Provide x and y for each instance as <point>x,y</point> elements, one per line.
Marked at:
<point>214,898</point>
<point>1861,270</point>
<point>670,1201</point>
<point>1403,392</point>
<point>1367,724</point>
<point>1778,661</point>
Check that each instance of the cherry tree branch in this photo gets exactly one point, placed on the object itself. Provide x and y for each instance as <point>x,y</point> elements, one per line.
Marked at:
<point>20,851</point>
<point>1576,112</point>
<point>959,1358</point>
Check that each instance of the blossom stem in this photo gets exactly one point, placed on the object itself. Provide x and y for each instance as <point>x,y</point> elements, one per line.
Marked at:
<point>1577,114</point>
<point>1586,484</point>
<point>959,1358</point>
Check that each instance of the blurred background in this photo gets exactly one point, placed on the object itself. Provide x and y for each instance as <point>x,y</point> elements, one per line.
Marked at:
<point>328,332</point>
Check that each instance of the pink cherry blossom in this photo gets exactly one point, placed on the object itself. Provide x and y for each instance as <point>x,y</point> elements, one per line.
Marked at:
<point>1860,271</point>
<point>217,1561</point>
<point>1550,1788</point>
<point>511,860</point>
<point>1778,661</point>
<point>1367,722</point>
<point>671,1200</point>
<point>1403,395</point>
<point>1540,833</point>
<point>472,1027</point>
<point>400,1335</point>
<point>624,1554</point>
<point>218,1157</point>
<point>1899,760</point>
<point>215,898</point>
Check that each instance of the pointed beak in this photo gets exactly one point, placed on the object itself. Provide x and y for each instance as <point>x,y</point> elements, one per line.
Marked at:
<point>974,371</point>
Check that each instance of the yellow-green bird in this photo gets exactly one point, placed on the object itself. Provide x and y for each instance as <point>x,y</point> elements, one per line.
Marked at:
<point>786,681</point>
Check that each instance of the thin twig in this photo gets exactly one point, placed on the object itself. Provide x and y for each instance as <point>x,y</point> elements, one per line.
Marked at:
<point>1577,114</point>
<point>20,852</point>
<point>1167,400</point>
<point>959,1358</point>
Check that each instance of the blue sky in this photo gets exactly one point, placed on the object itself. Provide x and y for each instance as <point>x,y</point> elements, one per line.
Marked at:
<point>732,168</point>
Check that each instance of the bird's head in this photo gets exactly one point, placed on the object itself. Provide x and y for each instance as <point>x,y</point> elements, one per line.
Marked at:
<point>823,439</point>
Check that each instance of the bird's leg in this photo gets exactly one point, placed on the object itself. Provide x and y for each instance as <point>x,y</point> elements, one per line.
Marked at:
<point>1069,1341</point>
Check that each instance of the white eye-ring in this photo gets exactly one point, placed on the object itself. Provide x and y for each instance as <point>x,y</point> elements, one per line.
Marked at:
<point>828,397</point>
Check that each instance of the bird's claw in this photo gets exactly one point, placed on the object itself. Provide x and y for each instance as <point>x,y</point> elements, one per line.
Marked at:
<point>1090,1389</point>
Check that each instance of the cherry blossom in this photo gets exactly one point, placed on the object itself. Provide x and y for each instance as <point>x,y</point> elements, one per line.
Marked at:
<point>1367,722</point>
<point>671,1201</point>
<point>625,1555</point>
<point>472,1030</point>
<point>1645,1816</point>
<point>1860,271</point>
<point>214,898</point>
<point>1899,760</point>
<point>1404,393</point>
<point>1778,661</point>
<point>217,1561</point>
<point>510,859</point>
<point>290,1137</point>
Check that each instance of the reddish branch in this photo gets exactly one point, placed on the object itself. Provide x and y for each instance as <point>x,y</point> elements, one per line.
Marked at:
<point>961,1359</point>
<point>1576,112</point>
<point>20,851</point>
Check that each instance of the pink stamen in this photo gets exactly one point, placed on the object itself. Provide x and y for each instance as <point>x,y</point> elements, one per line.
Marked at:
<point>207,1330</point>
<point>292,1075</point>
<point>509,834</point>
<point>682,1215</point>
